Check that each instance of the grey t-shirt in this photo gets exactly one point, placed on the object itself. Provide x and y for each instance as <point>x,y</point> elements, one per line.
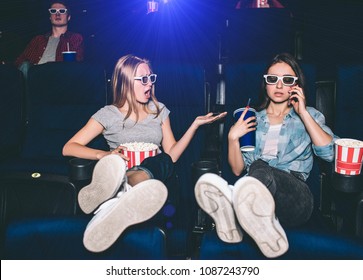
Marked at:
<point>118,131</point>
<point>50,50</point>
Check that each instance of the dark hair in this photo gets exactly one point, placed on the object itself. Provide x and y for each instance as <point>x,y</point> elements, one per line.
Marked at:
<point>263,99</point>
<point>65,4</point>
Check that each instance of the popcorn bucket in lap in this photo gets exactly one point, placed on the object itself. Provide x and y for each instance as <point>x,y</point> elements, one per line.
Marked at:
<point>138,151</point>
<point>348,156</point>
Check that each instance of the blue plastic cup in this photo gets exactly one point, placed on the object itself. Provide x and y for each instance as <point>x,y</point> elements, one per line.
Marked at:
<point>69,56</point>
<point>248,141</point>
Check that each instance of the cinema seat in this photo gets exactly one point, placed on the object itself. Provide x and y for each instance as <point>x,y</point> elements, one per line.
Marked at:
<point>349,197</point>
<point>61,239</point>
<point>304,244</point>
<point>349,99</point>
<point>60,98</point>
<point>12,105</point>
<point>39,214</point>
<point>182,88</point>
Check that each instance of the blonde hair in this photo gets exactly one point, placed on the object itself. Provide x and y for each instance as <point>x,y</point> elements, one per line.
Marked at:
<point>123,86</point>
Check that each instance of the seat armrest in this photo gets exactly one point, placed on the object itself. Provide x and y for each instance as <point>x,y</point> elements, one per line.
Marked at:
<point>326,190</point>
<point>80,171</point>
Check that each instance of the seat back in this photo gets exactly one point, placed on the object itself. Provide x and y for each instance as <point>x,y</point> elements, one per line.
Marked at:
<point>349,101</point>
<point>326,104</point>
<point>181,87</point>
<point>12,108</point>
<point>326,100</point>
<point>257,34</point>
<point>61,98</point>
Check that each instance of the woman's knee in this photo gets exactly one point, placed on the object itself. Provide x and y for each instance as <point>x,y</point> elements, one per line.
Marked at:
<point>160,166</point>
<point>263,172</point>
<point>294,210</point>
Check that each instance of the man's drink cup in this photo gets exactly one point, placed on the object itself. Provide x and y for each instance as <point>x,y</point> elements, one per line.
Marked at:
<point>348,156</point>
<point>69,56</point>
<point>247,141</point>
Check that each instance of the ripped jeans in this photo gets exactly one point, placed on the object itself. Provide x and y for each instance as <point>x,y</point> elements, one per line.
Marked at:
<point>293,198</point>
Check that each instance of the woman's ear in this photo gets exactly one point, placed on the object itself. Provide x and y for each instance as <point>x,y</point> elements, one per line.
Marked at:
<point>69,17</point>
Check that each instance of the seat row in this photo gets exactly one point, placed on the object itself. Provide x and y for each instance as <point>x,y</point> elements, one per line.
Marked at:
<point>40,218</point>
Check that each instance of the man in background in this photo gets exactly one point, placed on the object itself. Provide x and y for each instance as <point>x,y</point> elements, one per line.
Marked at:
<point>49,47</point>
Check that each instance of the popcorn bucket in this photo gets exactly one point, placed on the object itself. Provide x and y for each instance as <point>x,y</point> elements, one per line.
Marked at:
<point>137,152</point>
<point>348,156</point>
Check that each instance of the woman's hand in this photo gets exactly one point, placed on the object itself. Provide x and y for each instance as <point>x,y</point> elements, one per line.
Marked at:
<point>242,127</point>
<point>208,118</point>
<point>119,151</point>
<point>297,99</point>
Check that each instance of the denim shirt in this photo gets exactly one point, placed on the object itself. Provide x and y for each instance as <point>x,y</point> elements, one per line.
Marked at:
<point>295,149</point>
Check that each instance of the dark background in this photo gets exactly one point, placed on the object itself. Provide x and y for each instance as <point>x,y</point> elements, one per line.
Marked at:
<point>328,32</point>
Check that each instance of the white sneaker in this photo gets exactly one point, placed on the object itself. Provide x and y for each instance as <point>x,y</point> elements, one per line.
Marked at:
<point>255,210</point>
<point>214,196</point>
<point>107,178</point>
<point>134,206</point>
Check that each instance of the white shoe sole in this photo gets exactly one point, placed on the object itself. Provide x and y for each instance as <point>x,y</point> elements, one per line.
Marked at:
<point>137,205</point>
<point>214,196</point>
<point>255,210</point>
<point>107,177</point>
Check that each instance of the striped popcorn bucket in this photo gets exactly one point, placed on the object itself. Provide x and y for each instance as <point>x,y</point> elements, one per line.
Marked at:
<point>348,156</point>
<point>137,157</point>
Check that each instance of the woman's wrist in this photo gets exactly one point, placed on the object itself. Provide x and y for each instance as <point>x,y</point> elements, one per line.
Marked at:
<point>304,114</point>
<point>232,138</point>
<point>195,125</point>
<point>101,154</point>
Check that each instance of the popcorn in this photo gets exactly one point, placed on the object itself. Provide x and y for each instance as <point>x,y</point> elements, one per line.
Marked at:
<point>349,142</point>
<point>138,151</point>
<point>139,146</point>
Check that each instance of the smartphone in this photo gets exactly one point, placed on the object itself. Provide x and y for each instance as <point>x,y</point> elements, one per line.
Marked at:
<point>295,99</point>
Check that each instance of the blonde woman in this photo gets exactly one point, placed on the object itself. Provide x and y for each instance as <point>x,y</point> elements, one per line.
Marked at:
<point>137,195</point>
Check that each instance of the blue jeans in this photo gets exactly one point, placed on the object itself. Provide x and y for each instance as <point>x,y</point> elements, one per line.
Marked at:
<point>24,67</point>
<point>293,198</point>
